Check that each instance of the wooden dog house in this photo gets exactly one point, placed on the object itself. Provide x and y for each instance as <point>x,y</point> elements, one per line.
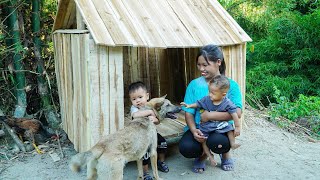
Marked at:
<point>101,46</point>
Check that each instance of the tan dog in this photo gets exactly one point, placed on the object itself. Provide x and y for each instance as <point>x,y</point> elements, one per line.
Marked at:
<point>108,157</point>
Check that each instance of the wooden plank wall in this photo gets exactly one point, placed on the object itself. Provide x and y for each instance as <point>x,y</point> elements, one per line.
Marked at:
<point>235,58</point>
<point>90,83</point>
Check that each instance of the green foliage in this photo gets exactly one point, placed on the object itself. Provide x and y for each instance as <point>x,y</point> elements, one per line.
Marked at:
<point>262,78</point>
<point>288,58</point>
<point>7,80</point>
<point>306,108</point>
<point>283,57</point>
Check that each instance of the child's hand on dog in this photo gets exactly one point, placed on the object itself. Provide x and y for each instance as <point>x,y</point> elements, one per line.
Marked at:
<point>154,119</point>
<point>184,104</point>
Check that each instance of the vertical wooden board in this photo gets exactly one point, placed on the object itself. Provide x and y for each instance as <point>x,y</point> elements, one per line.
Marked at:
<point>66,57</point>
<point>60,73</point>
<point>176,72</point>
<point>189,56</point>
<point>144,66</point>
<point>188,70</point>
<point>185,66</point>
<point>244,69</point>
<point>243,51</point>
<point>94,93</point>
<point>225,55</point>
<point>169,90</point>
<point>126,73</point>
<point>153,59</point>
<point>134,64</point>
<point>104,91</point>
<point>173,60</point>
<point>70,89</point>
<point>75,59</point>
<point>180,85</point>
<point>63,83</point>
<point>116,89</point>
<point>192,61</point>
<point>147,73</point>
<point>57,61</point>
<point>85,129</point>
<point>163,68</point>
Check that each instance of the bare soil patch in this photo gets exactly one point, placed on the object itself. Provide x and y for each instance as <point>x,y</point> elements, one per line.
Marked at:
<point>267,152</point>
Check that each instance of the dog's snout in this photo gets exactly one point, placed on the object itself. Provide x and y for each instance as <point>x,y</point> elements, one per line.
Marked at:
<point>178,109</point>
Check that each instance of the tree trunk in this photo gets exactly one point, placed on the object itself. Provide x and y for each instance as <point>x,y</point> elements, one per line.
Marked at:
<point>42,83</point>
<point>20,80</point>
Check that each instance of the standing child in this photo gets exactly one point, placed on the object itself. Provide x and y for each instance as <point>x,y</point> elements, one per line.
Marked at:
<point>139,96</point>
<point>217,101</point>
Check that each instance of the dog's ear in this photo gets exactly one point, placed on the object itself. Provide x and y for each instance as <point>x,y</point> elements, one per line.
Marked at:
<point>156,103</point>
<point>164,96</point>
<point>159,103</point>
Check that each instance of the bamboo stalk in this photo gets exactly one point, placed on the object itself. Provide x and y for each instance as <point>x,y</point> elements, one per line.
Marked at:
<point>14,137</point>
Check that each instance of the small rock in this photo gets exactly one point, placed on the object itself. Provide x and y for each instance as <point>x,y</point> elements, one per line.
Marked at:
<point>15,149</point>
<point>2,133</point>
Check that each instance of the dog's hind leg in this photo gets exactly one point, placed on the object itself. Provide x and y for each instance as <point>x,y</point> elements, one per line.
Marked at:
<point>140,170</point>
<point>110,168</point>
<point>117,170</point>
<point>92,169</point>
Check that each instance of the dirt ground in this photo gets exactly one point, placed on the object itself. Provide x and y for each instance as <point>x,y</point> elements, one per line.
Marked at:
<point>267,152</point>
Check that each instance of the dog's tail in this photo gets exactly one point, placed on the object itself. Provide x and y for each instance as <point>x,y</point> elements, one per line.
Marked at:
<point>79,160</point>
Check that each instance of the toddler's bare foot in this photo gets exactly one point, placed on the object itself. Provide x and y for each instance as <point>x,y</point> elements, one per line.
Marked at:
<point>235,146</point>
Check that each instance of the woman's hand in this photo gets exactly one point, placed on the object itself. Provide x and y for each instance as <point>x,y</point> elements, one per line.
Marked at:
<point>204,116</point>
<point>198,135</point>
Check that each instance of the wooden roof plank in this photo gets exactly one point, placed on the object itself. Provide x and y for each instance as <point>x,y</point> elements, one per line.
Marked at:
<point>235,27</point>
<point>206,22</point>
<point>157,18</point>
<point>71,15</point>
<point>143,20</point>
<point>152,23</point>
<point>169,26</point>
<point>127,22</point>
<point>94,22</point>
<point>111,23</point>
<point>61,14</point>
<point>218,25</point>
<point>190,21</point>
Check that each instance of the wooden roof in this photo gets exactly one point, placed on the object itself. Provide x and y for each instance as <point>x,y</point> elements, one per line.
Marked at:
<point>153,23</point>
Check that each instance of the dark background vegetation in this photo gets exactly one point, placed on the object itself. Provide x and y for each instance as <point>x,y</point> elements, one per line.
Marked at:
<point>283,60</point>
